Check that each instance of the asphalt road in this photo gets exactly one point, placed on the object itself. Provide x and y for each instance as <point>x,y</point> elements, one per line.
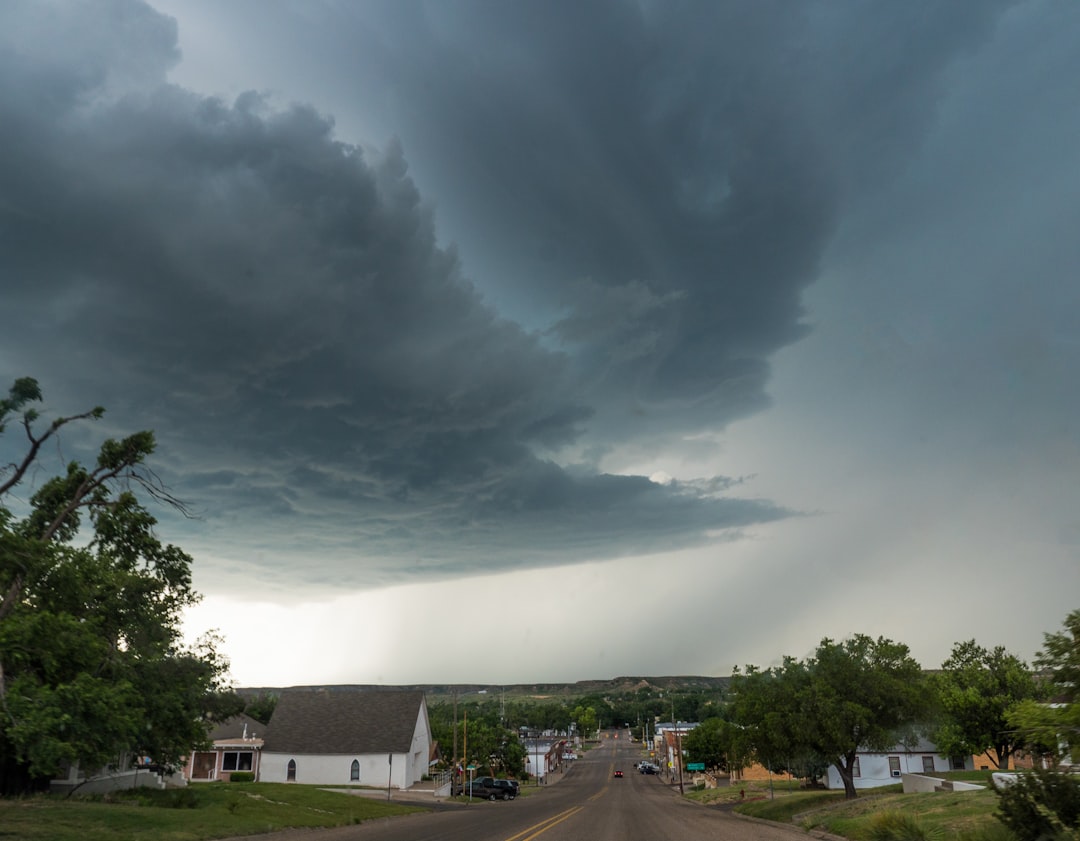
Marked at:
<point>587,803</point>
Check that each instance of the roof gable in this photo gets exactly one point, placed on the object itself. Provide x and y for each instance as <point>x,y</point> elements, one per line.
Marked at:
<point>237,727</point>
<point>344,721</point>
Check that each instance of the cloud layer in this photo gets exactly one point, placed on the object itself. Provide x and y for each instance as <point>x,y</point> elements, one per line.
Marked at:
<point>329,385</point>
<point>420,292</point>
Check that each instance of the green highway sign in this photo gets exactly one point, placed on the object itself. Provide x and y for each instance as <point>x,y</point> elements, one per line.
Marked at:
<point>695,766</point>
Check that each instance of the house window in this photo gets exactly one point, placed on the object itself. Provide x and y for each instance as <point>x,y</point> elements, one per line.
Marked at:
<point>290,773</point>
<point>237,760</point>
<point>894,766</point>
<point>957,763</point>
<point>354,772</point>
<point>856,771</point>
<point>928,764</point>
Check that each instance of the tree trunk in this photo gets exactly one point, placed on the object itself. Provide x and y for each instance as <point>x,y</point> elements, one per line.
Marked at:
<point>847,777</point>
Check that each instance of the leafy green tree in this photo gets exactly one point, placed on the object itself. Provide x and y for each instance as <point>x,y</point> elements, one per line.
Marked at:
<point>482,737</point>
<point>494,749</point>
<point>546,715</point>
<point>1041,806</point>
<point>1060,658</point>
<point>709,743</point>
<point>1046,803</point>
<point>764,729</point>
<point>91,661</point>
<point>587,720</point>
<point>261,707</point>
<point>1040,728</point>
<point>553,716</point>
<point>442,728</point>
<point>806,766</point>
<point>1055,727</point>
<point>858,694</point>
<point>976,689</point>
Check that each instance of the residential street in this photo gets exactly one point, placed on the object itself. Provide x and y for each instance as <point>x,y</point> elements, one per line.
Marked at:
<point>587,802</point>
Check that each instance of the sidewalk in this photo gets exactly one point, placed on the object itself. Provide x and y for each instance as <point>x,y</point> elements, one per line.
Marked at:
<point>422,793</point>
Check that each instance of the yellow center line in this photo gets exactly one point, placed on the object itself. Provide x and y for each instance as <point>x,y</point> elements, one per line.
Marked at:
<point>545,825</point>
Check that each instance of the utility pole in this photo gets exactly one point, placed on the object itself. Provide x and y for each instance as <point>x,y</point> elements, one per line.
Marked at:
<point>455,732</point>
<point>678,745</point>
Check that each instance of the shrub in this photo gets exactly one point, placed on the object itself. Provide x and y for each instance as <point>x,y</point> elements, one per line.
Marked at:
<point>183,798</point>
<point>242,777</point>
<point>172,798</point>
<point>1041,805</point>
<point>990,832</point>
<point>899,826</point>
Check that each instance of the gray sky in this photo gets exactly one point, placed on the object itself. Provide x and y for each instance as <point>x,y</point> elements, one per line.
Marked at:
<point>652,337</point>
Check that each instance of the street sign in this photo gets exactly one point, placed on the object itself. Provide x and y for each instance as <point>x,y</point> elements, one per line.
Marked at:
<point>470,767</point>
<point>695,766</point>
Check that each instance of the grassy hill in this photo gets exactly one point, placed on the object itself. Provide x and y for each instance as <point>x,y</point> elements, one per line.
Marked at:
<point>618,686</point>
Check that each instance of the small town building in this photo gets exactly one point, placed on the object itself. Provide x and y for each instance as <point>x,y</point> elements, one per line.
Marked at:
<point>346,735</point>
<point>882,768</point>
<point>236,745</point>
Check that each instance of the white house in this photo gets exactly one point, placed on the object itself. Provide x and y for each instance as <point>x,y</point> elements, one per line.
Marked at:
<point>882,768</point>
<point>543,755</point>
<point>344,735</point>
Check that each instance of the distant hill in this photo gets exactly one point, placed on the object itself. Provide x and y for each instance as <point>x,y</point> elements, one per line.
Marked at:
<point>619,686</point>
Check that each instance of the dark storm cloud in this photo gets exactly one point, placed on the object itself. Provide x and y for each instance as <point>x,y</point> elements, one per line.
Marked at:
<point>325,381</point>
<point>688,155</point>
<point>646,150</point>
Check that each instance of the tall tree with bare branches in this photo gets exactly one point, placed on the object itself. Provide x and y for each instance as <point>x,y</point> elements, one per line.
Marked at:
<point>92,664</point>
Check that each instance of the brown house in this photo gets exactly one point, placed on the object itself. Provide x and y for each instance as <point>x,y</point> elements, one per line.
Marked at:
<point>236,746</point>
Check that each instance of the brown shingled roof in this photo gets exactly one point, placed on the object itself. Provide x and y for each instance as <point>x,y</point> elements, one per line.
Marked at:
<point>233,728</point>
<point>352,721</point>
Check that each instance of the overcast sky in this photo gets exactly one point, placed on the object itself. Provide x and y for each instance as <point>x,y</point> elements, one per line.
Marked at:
<point>633,338</point>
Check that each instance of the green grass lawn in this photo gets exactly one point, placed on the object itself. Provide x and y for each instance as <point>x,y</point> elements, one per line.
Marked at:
<point>214,810</point>
<point>753,791</point>
<point>962,816</point>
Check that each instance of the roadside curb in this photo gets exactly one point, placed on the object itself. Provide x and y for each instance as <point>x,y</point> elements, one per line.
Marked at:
<point>813,833</point>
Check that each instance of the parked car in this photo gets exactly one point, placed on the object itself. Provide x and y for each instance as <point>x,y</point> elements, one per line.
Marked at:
<point>509,786</point>
<point>488,788</point>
